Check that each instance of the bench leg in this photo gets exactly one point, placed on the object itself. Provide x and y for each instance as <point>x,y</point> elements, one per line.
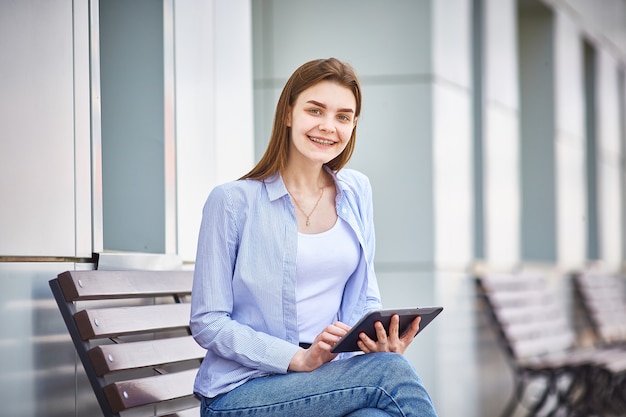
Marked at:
<point>520,393</point>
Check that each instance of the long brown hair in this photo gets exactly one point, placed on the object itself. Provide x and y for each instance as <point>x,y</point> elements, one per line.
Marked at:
<point>309,74</point>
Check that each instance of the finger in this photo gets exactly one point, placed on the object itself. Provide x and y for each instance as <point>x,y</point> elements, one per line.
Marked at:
<point>394,327</point>
<point>381,335</point>
<point>412,330</point>
<point>367,342</point>
<point>363,346</point>
<point>337,329</point>
<point>343,326</point>
<point>328,338</point>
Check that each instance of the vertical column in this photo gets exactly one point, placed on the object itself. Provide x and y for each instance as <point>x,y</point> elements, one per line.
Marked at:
<point>501,149</point>
<point>169,131</point>
<point>608,157</point>
<point>195,116</point>
<point>452,144</point>
<point>82,119</point>
<point>498,153</point>
<point>452,201</point>
<point>214,118</point>
<point>570,111</point>
<point>234,131</point>
<point>622,113</point>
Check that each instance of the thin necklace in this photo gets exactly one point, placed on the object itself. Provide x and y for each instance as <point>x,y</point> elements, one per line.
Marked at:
<point>308,216</point>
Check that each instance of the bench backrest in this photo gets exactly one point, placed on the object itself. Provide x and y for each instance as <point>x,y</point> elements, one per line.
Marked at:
<point>603,298</point>
<point>131,332</point>
<point>525,311</point>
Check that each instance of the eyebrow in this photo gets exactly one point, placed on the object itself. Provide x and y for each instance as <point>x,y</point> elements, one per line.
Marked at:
<point>317,103</point>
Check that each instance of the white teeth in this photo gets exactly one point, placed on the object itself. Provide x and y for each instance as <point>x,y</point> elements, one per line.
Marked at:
<point>322,141</point>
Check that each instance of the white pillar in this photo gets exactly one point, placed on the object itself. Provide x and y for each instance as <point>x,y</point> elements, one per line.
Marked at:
<point>452,201</point>
<point>570,139</point>
<point>610,222</point>
<point>214,120</point>
<point>501,151</point>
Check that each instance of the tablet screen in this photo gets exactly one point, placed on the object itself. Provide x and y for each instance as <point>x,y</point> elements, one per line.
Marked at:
<point>348,343</point>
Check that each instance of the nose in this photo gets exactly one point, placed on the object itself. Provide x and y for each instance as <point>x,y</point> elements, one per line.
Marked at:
<point>327,125</point>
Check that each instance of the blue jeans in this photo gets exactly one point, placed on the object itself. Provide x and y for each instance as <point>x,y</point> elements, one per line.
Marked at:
<point>372,385</point>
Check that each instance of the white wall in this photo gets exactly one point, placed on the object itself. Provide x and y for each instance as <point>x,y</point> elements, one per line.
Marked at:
<point>44,124</point>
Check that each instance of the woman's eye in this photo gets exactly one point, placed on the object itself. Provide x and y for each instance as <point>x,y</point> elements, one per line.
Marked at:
<point>315,111</point>
<point>344,118</point>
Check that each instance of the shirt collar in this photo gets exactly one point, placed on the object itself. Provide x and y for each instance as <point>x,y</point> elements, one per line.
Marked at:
<point>276,187</point>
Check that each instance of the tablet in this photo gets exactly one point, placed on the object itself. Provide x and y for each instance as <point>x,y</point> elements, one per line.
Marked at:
<point>348,342</point>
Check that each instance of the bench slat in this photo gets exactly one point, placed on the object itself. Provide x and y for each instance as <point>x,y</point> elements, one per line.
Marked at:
<point>190,412</point>
<point>110,322</point>
<point>92,285</point>
<point>117,357</point>
<point>153,389</point>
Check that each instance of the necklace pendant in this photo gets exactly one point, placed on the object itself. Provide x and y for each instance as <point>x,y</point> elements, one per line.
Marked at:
<point>308,216</point>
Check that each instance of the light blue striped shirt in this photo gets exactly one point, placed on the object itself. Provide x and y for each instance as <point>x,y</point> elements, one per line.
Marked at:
<point>243,305</point>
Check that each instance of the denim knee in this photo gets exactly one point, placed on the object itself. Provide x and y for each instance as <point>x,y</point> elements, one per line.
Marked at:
<point>389,363</point>
<point>397,382</point>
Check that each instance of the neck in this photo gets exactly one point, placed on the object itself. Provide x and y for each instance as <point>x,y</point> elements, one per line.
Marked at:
<point>304,180</point>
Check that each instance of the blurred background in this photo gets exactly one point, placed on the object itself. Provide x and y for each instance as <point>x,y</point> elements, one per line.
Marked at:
<point>493,132</point>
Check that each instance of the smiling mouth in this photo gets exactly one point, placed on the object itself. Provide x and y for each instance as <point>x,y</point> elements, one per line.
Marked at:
<point>322,141</point>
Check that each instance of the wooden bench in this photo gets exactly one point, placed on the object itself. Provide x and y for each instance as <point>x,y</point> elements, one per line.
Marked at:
<point>602,298</point>
<point>131,332</point>
<point>535,333</point>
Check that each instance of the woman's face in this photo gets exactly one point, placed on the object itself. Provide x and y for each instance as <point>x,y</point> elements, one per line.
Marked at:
<point>321,120</point>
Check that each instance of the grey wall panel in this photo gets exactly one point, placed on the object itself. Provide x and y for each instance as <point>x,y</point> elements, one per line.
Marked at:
<point>396,157</point>
<point>37,129</point>
<point>536,31</point>
<point>37,357</point>
<point>378,38</point>
<point>132,84</point>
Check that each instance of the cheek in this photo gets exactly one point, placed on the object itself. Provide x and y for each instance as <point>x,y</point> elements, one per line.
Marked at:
<point>346,133</point>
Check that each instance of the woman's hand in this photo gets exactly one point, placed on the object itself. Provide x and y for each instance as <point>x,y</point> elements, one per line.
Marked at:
<point>306,360</point>
<point>391,342</point>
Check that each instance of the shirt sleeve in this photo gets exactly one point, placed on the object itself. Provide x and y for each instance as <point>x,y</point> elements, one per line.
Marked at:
<point>212,295</point>
<point>373,300</point>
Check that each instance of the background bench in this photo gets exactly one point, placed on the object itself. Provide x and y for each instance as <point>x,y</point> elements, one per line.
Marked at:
<point>602,297</point>
<point>534,330</point>
<point>131,332</point>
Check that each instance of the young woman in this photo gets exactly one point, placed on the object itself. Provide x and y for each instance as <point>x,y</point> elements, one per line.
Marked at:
<point>285,266</point>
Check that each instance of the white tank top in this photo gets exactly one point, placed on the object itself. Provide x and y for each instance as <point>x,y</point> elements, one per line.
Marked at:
<point>324,263</point>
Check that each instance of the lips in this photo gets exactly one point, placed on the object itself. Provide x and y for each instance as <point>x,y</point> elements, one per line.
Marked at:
<point>322,141</point>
